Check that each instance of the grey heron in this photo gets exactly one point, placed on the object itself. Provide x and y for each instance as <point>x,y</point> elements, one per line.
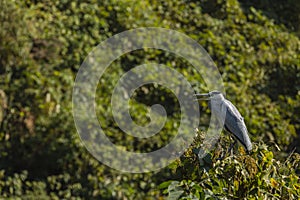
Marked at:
<point>234,122</point>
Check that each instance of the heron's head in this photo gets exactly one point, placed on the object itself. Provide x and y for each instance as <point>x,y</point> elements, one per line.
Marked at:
<point>213,95</point>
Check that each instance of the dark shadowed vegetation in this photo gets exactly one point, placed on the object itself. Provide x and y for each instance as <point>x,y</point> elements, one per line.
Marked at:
<point>256,47</point>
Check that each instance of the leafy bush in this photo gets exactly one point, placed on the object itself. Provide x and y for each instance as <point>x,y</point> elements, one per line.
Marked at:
<point>241,176</point>
<point>42,44</point>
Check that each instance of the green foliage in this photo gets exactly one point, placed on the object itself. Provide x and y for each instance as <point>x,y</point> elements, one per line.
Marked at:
<point>282,12</point>
<point>258,176</point>
<point>42,44</point>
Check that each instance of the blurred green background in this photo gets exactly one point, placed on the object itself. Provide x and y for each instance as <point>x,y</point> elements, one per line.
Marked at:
<point>255,45</point>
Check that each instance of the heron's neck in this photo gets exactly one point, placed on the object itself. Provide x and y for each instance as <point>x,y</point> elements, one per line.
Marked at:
<point>218,97</point>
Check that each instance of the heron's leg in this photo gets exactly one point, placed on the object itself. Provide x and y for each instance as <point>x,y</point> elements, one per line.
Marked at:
<point>228,151</point>
<point>222,156</point>
<point>222,153</point>
<point>231,146</point>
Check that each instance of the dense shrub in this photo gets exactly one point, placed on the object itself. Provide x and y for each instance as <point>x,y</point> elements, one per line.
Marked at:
<point>42,44</point>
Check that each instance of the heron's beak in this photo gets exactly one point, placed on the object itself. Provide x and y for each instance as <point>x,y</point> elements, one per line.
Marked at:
<point>204,96</point>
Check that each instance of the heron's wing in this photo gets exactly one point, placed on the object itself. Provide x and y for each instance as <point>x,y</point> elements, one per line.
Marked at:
<point>235,124</point>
